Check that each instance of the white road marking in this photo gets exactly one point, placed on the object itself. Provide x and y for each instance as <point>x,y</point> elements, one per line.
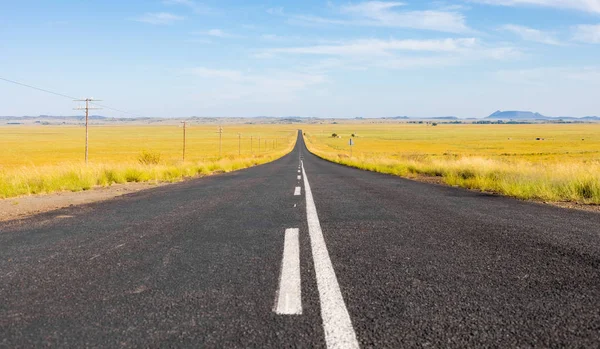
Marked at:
<point>289,299</point>
<point>298,171</point>
<point>294,205</point>
<point>337,325</point>
<point>297,191</point>
<point>94,257</point>
<point>299,177</point>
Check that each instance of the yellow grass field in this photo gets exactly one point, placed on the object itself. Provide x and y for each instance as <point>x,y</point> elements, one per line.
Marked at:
<point>43,159</point>
<point>563,165</point>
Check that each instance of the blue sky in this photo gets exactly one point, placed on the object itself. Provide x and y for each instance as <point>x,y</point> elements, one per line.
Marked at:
<point>178,58</point>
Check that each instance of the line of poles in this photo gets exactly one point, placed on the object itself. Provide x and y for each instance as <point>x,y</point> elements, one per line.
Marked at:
<point>262,143</point>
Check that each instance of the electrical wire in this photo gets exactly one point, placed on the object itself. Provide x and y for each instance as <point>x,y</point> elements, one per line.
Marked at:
<point>70,97</point>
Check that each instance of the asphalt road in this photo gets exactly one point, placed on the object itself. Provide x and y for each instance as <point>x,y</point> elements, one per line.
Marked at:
<point>376,261</point>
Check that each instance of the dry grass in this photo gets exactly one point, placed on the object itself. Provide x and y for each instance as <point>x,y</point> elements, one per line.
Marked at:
<point>506,159</point>
<point>47,159</point>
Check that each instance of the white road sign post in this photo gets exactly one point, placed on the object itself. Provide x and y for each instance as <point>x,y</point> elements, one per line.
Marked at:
<point>351,143</point>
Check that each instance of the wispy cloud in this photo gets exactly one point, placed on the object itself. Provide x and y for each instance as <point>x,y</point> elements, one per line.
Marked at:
<point>402,54</point>
<point>587,33</point>
<point>550,76</point>
<point>385,14</point>
<point>276,86</point>
<point>530,34</point>
<point>581,5</point>
<point>370,47</point>
<point>194,6</point>
<point>217,73</point>
<point>217,33</point>
<point>160,18</point>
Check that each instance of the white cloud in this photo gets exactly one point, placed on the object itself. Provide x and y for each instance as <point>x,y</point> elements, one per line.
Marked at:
<point>217,33</point>
<point>582,5</point>
<point>387,48</point>
<point>271,87</point>
<point>275,11</point>
<point>386,14</point>
<point>373,47</point>
<point>402,54</point>
<point>194,6</point>
<point>587,33</point>
<point>531,34</point>
<point>217,73</point>
<point>550,76</point>
<point>160,18</point>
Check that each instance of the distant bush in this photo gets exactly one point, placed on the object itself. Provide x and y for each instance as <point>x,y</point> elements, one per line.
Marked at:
<point>149,158</point>
<point>334,135</point>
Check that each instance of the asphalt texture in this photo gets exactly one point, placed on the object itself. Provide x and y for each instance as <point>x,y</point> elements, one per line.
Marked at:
<point>197,264</point>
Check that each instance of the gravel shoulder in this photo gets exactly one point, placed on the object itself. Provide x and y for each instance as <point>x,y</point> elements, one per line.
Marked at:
<point>24,206</point>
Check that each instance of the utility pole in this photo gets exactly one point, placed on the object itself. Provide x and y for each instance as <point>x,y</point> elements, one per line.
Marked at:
<point>87,112</point>
<point>184,124</point>
<point>251,150</point>
<point>239,143</point>
<point>259,145</point>
<point>220,139</point>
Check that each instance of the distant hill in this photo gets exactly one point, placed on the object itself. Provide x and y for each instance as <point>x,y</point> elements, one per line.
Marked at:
<point>517,115</point>
<point>445,118</point>
<point>527,115</point>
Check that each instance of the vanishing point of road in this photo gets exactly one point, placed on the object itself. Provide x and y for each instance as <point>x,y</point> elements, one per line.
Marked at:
<point>302,252</point>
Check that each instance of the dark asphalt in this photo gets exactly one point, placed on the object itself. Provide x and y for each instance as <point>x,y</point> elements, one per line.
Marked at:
<point>197,264</point>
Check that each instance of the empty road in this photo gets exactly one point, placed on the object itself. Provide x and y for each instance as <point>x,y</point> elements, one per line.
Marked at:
<point>301,252</point>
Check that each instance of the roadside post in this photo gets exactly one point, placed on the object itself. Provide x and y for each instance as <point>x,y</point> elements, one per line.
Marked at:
<point>184,124</point>
<point>220,131</point>
<point>351,143</point>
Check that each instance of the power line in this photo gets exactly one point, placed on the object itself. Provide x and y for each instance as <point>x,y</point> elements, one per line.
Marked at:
<point>69,97</point>
<point>118,110</point>
<point>37,88</point>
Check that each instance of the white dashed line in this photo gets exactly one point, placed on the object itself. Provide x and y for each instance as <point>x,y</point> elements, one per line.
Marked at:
<point>289,299</point>
<point>337,325</point>
<point>297,191</point>
<point>299,177</point>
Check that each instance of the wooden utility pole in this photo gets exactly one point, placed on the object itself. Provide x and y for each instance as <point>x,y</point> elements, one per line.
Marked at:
<point>184,124</point>
<point>220,139</point>
<point>87,112</point>
<point>239,143</point>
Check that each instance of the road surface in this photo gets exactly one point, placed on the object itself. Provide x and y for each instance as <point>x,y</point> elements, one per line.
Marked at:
<point>301,252</point>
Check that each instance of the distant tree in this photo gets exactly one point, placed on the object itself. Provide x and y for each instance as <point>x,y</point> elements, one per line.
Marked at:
<point>334,135</point>
<point>434,124</point>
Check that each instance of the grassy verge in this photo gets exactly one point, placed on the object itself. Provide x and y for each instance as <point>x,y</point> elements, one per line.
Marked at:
<point>78,177</point>
<point>569,181</point>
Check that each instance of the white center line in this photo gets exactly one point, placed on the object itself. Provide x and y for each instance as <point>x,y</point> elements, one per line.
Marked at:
<point>289,299</point>
<point>299,177</point>
<point>297,191</point>
<point>337,325</point>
